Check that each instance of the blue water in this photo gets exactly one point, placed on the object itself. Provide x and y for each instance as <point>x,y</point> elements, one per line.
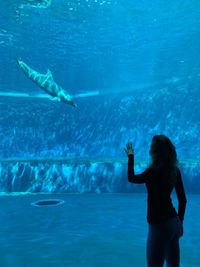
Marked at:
<point>133,69</point>
<point>141,58</point>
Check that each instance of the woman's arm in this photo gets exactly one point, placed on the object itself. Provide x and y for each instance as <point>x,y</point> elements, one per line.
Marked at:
<point>180,192</point>
<point>132,177</point>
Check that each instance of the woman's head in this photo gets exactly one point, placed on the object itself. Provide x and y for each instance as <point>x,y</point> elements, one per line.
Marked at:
<point>163,154</point>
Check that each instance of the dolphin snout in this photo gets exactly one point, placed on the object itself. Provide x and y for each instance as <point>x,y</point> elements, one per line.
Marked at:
<point>74,104</point>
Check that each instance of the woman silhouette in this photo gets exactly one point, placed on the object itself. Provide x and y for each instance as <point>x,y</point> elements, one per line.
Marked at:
<point>165,224</point>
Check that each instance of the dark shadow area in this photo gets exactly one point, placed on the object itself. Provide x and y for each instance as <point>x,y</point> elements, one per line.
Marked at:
<point>48,202</point>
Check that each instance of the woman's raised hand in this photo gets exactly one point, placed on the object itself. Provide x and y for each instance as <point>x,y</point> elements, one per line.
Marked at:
<point>129,149</point>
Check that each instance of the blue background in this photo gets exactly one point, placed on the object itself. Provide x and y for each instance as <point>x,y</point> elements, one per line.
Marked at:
<point>143,59</point>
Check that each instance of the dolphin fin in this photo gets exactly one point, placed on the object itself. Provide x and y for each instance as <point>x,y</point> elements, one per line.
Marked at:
<point>55,99</point>
<point>49,75</point>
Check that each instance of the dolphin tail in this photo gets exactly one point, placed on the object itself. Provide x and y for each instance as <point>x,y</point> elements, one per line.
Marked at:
<point>18,60</point>
<point>23,66</point>
<point>30,73</point>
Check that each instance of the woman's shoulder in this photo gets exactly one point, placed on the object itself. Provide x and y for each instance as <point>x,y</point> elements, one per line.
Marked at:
<point>150,174</point>
<point>150,170</point>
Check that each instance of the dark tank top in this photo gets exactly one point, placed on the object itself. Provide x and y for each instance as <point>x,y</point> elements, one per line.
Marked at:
<point>159,203</point>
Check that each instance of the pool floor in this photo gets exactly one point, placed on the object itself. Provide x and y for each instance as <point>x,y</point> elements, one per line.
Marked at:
<point>90,230</point>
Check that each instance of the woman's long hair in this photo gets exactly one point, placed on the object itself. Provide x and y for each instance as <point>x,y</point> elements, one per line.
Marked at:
<point>164,158</point>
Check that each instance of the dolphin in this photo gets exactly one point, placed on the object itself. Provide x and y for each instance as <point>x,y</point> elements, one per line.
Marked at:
<point>47,83</point>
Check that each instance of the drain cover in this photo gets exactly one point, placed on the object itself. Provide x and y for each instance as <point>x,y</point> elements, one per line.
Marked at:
<point>47,202</point>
